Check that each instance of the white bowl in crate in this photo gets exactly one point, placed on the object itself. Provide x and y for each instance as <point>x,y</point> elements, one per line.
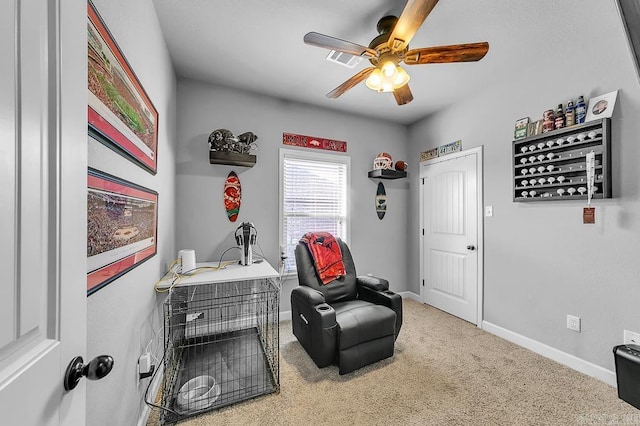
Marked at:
<point>197,394</point>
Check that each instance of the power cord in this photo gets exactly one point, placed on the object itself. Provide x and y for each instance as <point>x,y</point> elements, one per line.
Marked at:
<point>146,394</point>
<point>177,277</point>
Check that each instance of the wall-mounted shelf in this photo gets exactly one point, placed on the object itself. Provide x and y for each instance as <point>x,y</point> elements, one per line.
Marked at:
<point>232,158</point>
<point>559,156</point>
<point>387,174</point>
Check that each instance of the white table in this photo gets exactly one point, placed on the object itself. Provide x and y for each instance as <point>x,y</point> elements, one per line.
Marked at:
<point>232,272</point>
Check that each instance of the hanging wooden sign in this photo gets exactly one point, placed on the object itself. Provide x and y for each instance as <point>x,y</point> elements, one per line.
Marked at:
<point>313,142</point>
<point>381,201</point>
<point>232,196</point>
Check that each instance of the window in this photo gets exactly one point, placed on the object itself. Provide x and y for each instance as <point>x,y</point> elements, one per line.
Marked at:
<point>313,198</point>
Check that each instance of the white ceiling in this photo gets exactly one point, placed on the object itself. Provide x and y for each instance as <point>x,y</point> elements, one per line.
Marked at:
<point>257,45</point>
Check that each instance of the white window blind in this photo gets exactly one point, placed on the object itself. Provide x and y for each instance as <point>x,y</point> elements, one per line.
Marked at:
<point>314,198</point>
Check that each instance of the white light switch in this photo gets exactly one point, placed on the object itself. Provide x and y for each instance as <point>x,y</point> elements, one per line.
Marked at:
<point>488,211</point>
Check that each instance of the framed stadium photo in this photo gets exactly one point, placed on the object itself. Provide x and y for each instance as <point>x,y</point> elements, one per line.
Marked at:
<point>122,227</point>
<point>120,113</point>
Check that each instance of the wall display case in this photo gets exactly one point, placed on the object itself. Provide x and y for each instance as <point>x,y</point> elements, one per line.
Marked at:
<point>552,166</point>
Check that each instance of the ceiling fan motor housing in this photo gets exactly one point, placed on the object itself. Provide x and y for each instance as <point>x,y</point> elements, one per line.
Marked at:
<point>379,43</point>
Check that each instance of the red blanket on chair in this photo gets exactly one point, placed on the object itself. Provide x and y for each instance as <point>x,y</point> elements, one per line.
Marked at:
<point>326,254</point>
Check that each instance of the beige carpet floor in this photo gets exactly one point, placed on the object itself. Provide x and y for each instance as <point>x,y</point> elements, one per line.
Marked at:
<point>445,371</point>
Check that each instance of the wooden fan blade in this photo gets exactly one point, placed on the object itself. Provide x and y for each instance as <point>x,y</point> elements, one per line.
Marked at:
<point>358,78</point>
<point>469,52</point>
<point>332,43</point>
<point>413,15</point>
<point>403,95</point>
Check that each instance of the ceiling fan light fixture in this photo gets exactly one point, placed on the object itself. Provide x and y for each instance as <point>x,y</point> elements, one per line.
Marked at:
<point>387,78</point>
<point>401,78</point>
<point>389,69</point>
<point>374,81</point>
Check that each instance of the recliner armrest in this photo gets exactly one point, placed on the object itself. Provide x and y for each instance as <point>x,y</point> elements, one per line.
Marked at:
<point>383,297</point>
<point>374,283</point>
<point>308,296</point>
<point>310,305</point>
<point>314,324</point>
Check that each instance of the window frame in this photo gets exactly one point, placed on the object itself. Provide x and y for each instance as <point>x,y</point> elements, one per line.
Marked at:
<point>311,156</point>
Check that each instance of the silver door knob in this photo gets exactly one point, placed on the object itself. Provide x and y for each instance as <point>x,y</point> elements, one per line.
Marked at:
<point>471,247</point>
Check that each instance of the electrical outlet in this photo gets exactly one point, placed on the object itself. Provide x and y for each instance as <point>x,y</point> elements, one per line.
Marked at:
<point>488,211</point>
<point>631,337</point>
<point>145,367</point>
<point>573,323</point>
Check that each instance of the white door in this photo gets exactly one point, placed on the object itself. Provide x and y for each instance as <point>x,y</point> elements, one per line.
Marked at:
<point>450,205</point>
<point>42,170</point>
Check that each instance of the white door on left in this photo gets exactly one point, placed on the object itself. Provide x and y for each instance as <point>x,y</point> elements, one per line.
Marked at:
<point>42,304</point>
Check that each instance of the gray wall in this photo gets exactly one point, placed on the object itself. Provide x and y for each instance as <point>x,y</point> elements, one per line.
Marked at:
<point>378,247</point>
<point>541,262</point>
<point>124,316</point>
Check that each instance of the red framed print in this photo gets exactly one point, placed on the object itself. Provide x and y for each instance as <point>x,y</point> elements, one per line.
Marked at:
<point>122,223</point>
<point>120,113</point>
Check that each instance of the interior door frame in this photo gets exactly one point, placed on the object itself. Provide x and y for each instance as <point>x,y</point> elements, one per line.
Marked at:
<point>478,152</point>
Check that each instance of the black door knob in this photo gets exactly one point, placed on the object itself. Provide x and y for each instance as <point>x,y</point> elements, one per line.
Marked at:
<point>97,368</point>
<point>471,247</point>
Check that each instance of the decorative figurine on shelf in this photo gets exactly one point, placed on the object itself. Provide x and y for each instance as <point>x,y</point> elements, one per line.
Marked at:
<point>383,161</point>
<point>219,140</point>
<point>223,140</point>
<point>246,142</point>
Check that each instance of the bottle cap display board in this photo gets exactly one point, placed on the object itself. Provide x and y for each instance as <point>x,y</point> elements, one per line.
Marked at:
<point>552,166</point>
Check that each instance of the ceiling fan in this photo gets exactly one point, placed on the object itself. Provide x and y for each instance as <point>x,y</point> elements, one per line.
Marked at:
<point>391,47</point>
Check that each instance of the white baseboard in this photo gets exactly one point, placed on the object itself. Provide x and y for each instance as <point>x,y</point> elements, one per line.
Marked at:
<point>557,355</point>
<point>410,295</point>
<point>153,392</point>
<point>285,316</point>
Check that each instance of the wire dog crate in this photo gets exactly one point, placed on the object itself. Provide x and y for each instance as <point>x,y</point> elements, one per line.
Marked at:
<point>221,346</point>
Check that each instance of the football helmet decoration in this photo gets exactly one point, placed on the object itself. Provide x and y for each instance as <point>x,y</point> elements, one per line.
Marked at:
<point>383,161</point>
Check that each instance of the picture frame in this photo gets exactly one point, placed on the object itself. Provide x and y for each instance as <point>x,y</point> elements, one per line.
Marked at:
<point>601,106</point>
<point>122,227</point>
<point>520,131</point>
<point>120,113</point>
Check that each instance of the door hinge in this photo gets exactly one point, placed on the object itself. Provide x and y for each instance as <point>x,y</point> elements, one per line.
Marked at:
<point>423,181</point>
<point>422,231</point>
<point>422,283</point>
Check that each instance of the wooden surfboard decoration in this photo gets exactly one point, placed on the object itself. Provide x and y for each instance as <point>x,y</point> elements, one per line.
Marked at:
<point>232,196</point>
<point>381,201</point>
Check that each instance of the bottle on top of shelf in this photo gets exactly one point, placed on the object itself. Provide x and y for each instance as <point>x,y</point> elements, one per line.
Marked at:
<point>547,121</point>
<point>560,118</point>
<point>581,111</point>
<point>570,114</point>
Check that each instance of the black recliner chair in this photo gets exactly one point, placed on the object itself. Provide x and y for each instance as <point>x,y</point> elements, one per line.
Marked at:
<point>352,321</point>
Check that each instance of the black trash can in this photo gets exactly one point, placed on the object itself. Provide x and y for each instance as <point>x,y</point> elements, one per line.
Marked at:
<point>627,359</point>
